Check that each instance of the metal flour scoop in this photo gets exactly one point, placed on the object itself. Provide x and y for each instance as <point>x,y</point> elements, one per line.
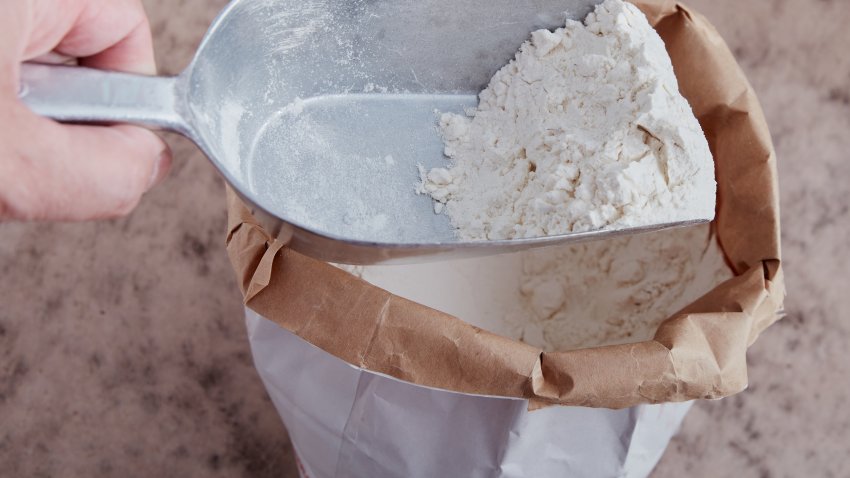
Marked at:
<point>318,112</point>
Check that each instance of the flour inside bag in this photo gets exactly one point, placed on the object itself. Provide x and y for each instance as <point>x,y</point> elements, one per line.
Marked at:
<point>571,297</point>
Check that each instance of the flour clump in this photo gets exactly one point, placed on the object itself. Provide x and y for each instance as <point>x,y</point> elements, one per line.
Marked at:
<point>585,129</point>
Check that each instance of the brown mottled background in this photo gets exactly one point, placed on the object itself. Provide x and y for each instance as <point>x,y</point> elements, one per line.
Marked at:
<point>123,351</point>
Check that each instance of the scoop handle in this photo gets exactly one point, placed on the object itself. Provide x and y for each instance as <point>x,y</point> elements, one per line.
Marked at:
<point>76,94</point>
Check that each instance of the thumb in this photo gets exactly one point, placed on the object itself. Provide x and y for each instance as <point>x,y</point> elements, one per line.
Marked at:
<point>80,172</point>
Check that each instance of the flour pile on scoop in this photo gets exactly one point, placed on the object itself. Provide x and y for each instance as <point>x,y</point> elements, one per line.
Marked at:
<point>584,130</point>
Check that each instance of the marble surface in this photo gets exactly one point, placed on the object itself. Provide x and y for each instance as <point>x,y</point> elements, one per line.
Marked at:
<point>123,351</point>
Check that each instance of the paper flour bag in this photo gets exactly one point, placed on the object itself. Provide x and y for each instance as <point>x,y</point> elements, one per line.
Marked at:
<point>376,383</point>
<point>562,298</point>
<point>347,422</point>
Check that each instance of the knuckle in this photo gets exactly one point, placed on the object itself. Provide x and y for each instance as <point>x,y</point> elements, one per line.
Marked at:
<point>126,204</point>
<point>21,207</point>
<point>128,186</point>
<point>7,210</point>
<point>18,200</point>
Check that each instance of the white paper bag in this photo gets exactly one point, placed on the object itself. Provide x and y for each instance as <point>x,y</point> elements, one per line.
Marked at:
<point>347,422</point>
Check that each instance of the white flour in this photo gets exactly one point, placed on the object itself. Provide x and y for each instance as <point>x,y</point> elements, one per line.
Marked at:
<point>584,129</point>
<point>569,297</point>
<point>307,143</point>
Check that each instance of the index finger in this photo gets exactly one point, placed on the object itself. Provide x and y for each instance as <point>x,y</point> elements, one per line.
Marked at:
<point>110,35</point>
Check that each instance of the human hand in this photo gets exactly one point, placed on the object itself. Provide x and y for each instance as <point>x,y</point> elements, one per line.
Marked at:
<point>50,171</point>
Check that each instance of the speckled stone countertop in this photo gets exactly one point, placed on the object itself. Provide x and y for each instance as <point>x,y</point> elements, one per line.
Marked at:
<point>123,351</point>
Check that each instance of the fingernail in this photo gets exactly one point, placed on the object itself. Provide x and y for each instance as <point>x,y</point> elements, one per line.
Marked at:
<point>160,168</point>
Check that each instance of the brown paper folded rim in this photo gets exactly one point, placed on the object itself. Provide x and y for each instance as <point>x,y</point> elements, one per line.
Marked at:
<point>699,353</point>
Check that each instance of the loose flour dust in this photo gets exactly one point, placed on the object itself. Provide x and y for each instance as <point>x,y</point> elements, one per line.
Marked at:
<point>584,129</point>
